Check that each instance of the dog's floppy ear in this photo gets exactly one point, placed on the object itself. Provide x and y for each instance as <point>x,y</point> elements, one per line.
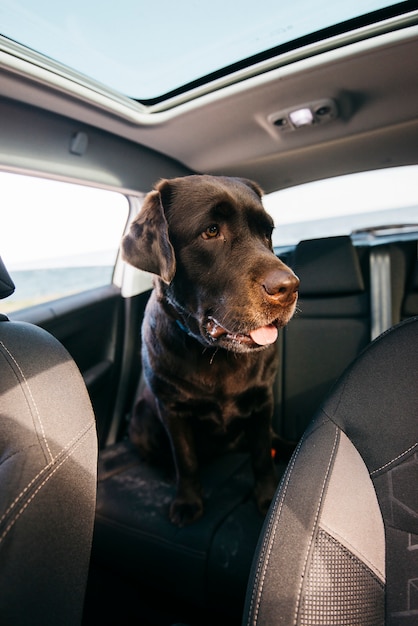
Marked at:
<point>147,245</point>
<point>252,185</point>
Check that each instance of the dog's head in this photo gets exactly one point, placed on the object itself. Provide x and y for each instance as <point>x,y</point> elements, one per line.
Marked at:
<point>208,239</point>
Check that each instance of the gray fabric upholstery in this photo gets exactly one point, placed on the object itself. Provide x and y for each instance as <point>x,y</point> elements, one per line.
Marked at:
<point>339,544</point>
<point>48,457</point>
<point>327,267</point>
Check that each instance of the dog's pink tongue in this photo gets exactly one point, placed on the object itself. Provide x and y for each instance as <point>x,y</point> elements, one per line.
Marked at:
<point>264,335</point>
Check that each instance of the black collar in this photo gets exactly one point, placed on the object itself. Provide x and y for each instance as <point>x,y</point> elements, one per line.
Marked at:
<point>183,328</point>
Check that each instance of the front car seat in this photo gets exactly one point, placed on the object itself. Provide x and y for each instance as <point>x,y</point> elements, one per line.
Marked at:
<point>48,461</point>
<point>340,543</point>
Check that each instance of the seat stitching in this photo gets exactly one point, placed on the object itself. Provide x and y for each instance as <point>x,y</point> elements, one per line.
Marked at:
<point>80,434</point>
<point>393,460</point>
<point>268,546</point>
<point>46,479</point>
<point>257,600</point>
<point>298,598</point>
<point>32,398</point>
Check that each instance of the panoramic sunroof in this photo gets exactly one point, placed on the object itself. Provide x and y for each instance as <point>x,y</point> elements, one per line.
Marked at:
<point>152,50</point>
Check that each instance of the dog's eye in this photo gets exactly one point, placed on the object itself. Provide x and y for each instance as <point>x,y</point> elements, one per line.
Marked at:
<point>268,234</point>
<point>211,232</point>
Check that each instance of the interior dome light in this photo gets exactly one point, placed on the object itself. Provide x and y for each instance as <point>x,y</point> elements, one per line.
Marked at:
<point>301,117</point>
<point>314,113</point>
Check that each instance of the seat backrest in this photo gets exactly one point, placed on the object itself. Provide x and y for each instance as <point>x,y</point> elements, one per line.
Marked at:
<point>48,459</point>
<point>340,543</point>
<point>331,327</point>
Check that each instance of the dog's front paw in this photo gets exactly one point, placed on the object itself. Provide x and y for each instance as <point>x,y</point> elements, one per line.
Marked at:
<point>183,512</point>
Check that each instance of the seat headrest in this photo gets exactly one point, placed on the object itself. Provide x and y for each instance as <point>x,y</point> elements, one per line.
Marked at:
<point>6,284</point>
<point>328,267</point>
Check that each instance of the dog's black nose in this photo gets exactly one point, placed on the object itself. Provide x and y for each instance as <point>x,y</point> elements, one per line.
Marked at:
<point>281,286</point>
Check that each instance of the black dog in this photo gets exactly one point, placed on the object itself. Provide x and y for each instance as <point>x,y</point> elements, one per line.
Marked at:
<point>210,325</point>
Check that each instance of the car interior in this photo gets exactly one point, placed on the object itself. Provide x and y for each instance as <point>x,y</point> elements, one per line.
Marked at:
<point>84,533</point>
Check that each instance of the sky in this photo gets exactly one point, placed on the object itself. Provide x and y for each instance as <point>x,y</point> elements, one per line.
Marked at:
<point>341,205</point>
<point>44,220</point>
<point>346,195</point>
<point>145,49</point>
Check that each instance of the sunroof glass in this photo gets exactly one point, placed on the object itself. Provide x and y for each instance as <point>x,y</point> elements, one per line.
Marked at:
<point>148,50</point>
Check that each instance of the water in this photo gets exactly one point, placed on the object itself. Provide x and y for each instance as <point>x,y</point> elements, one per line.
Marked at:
<point>41,285</point>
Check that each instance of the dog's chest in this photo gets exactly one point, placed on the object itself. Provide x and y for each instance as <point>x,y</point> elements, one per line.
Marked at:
<point>222,392</point>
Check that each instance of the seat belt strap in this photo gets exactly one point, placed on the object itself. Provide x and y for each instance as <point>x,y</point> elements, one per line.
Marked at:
<point>380,292</point>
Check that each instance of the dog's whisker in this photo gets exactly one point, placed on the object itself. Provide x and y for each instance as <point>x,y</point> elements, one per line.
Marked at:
<point>213,356</point>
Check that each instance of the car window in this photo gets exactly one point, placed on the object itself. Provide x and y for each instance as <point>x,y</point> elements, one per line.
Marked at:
<point>377,201</point>
<point>57,238</point>
<point>108,49</point>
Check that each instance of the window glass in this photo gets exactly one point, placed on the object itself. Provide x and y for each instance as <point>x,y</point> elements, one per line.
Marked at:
<point>368,201</point>
<point>146,49</point>
<point>57,238</point>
